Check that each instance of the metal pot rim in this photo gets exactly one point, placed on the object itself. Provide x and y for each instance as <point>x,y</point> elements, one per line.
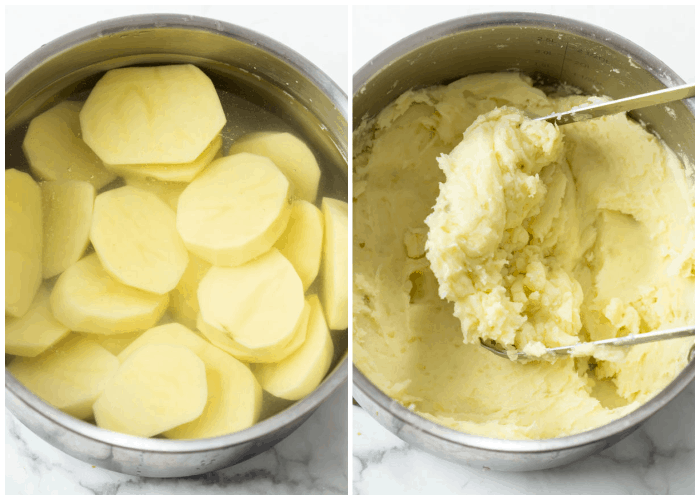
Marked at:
<point>641,57</point>
<point>335,94</point>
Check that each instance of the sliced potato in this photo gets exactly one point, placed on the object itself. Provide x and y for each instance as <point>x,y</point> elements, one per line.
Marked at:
<point>115,344</point>
<point>152,115</point>
<point>235,210</point>
<point>290,154</point>
<point>23,241</point>
<point>67,209</point>
<point>169,192</point>
<point>184,305</point>
<point>87,299</point>
<point>300,373</point>
<point>258,304</point>
<point>302,240</point>
<point>173,172</point>
<point>234,396</point>
<point>70,376</point>
<point>36,331</point>
<point>158,387</point>
<point>133,232</point>
<point>334,284</point>
<point>55,149</point>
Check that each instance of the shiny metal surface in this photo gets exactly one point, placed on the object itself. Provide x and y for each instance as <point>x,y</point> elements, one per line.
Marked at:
<point>551,49</point>
<point>238,58</point>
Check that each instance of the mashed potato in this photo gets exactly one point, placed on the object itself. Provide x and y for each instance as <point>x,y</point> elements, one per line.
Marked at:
<point>471,221</point>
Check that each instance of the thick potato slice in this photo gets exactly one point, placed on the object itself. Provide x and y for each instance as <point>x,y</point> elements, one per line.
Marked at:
<point>36,331</point>
<point>290,154</point>
<point>302,240</point>
<point>234,396</point>
<point>71,376</point>
<point>235,210</point>
<point>154,115</point>
<point>173,172</point>
<point>169,192</point>
<point>224,342</point>
<point>67,209</point>
<point>23,241</point>
<point>133,232</point>
<point>297,375</point>
<point>115,344</point>
<point>55,149</point>
<point>158,387</point>
<point>258,304</point>
<point>334,284</point>
<point>184,305</point>
<point>87,299</point>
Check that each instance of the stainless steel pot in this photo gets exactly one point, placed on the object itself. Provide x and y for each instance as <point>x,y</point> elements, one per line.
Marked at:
<point>240,61</point>
<point>550,49</point>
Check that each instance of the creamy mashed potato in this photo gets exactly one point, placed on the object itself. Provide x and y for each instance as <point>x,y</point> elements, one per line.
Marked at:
<point>471,221</point>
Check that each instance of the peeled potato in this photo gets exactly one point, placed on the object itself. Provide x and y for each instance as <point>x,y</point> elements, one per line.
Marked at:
<point>133,232</point>
<point>234,396</point>
<point>158,387</point>
<point>87,299</point>
<point>67,209</point>
<point>23,241</point>
<point>184,305</point>
<point>153,115</point>
<point>235,210</point>
<point>36,331</point>
<point>173,172</point>
<point>70,377</point>
<point>302,240</point>
<point>334,284</point>
<point>115,344</point>
<point>258,304</point>
<point>290,154</point>
<point>224,342</point>
<point>55,149</point>
<point>297,375</point>
<point>169,192</point>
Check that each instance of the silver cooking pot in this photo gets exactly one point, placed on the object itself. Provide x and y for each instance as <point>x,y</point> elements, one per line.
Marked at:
<point>247,64</point>
<point>551,50</point>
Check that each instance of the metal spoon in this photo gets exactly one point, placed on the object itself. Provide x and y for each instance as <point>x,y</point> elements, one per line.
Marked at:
<point>634,339</point>
<point>621,105</point>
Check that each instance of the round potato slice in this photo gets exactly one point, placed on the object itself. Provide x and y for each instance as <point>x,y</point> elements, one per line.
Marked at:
<point>300,373</point>
<point>56,151</point>
<point>87,299</point>
<point>23,241</point>
<point>334,284</point>
<point>235,210</point>
<point>67,209</point>
<point>290,154</point>
<point>152,115</point>
<point>158,387</point>
<point>258,304</point>
<point>133,232</point>
<point>169,192</point>
<point>302,240</point>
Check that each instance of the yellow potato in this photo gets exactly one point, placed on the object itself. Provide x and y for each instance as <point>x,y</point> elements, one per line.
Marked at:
<point>67,209</point>
<point>133,232</point>
<point>23,241</point>
<point>224,342</point>
<point>258,304</point>
<point>115,344</point>
<point>290,154</point>
<point>184,305</point>
<point>299,374</point>
<point>302,240</point>
<point>234,396</point>
<point>87,299</point>
<point>36,331</point>
<point>158,387</point>
<point>71,376</point>
<point>235,210</point>
<point>169,192</point>
<point>173,172</point>
<point>55,149</point>
<point>153,115</point>
<point>334,284</point>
